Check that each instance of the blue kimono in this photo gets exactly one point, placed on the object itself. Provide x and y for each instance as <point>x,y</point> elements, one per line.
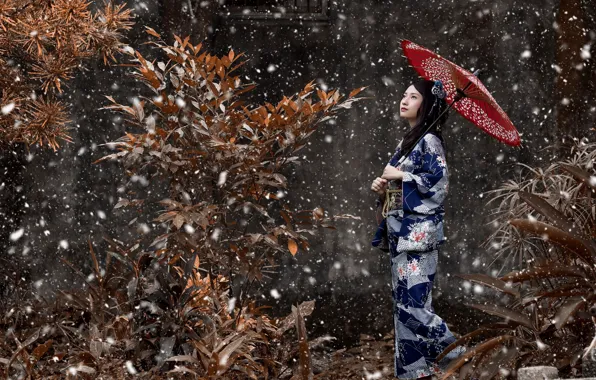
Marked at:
<point>418,219</point>
<point>413,233</point>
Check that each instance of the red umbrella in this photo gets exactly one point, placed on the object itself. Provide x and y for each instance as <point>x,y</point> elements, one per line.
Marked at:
<point>464,92</point>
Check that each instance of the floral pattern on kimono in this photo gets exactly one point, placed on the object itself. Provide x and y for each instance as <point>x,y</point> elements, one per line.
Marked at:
<point>420,334</point>
<point>418,219</point>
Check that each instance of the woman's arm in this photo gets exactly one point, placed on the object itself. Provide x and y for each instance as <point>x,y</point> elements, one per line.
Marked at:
<point>425,191</point>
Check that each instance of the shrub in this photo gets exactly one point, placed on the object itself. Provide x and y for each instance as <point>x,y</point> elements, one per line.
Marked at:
<point>546,223</point>
<point>42,46</point>
<point>167,308</point>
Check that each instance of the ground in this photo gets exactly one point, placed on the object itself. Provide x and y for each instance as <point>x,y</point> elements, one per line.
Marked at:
<point>371,359</point>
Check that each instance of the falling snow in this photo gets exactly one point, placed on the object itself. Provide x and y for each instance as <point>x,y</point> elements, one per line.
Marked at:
<point>536,61</point>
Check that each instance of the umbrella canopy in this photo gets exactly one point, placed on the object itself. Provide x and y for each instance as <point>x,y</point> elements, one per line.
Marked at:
<point>465,92</point>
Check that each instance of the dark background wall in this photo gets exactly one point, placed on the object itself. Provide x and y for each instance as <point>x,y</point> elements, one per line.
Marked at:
<point>62,199</point>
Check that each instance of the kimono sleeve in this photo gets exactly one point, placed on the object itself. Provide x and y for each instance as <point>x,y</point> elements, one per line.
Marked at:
<point>425,190</point>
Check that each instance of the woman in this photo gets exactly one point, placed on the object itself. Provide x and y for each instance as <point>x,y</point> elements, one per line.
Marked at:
<point>411,229</point>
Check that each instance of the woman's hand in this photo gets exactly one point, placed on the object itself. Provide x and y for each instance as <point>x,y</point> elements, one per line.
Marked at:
<point>379,186</point>
<point>391,173</point>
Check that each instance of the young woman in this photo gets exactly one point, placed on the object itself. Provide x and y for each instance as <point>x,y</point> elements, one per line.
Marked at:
<point>411,229</point>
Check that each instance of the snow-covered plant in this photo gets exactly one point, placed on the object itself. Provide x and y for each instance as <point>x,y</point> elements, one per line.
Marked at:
<point>139,315</point>
<point>42,46</point>
<point>167,309</point>
<point>224,218</point>
<point>565,186</point>
<point>223,159</point>
<point>547,221</point>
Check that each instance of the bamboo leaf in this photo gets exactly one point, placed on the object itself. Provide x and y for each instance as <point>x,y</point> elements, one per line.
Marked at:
<point>478,349</point>
<point>466,338</point>
<point>183,358</point>
<point>213,365</point>
<point>40,350</point>
<point>226,357</point>
<point>506,313</point>
<point>573,290</point>
<point>579,174</point>
<point>286,219</point>
<point>544,272</point>
<point>543,207</point>
<point>567,309</point>
<point>178,221</point>
<point>292,246</point>
<point>96,348</point>
<point>30,340</point>
<point>152,32</point>
<point>306,308</point>
<point>557,236</point>
<point>183,369</point>
<point>356,92</point>
<point>495,283</point>
<point>84,369</point>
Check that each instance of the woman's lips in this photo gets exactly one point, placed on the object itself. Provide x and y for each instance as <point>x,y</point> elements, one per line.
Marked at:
<point>403,109</point>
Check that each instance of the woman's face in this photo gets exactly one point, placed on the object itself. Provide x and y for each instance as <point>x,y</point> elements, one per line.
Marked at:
<point>410,104</point>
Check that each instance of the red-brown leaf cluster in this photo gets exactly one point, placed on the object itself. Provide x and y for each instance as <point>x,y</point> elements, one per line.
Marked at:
<point>166,308</point>
<point>226,161</point>
<point>42,46</point>
<point>140,314</point>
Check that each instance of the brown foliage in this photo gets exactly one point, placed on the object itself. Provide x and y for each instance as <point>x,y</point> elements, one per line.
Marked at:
<point>139,314</point>
<point>168,309</point>
<point>42,45</point>
<point>223,158</point>
<point>547,218</point>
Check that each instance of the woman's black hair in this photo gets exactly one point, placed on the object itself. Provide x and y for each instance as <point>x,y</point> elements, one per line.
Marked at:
<point>432,106</point>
